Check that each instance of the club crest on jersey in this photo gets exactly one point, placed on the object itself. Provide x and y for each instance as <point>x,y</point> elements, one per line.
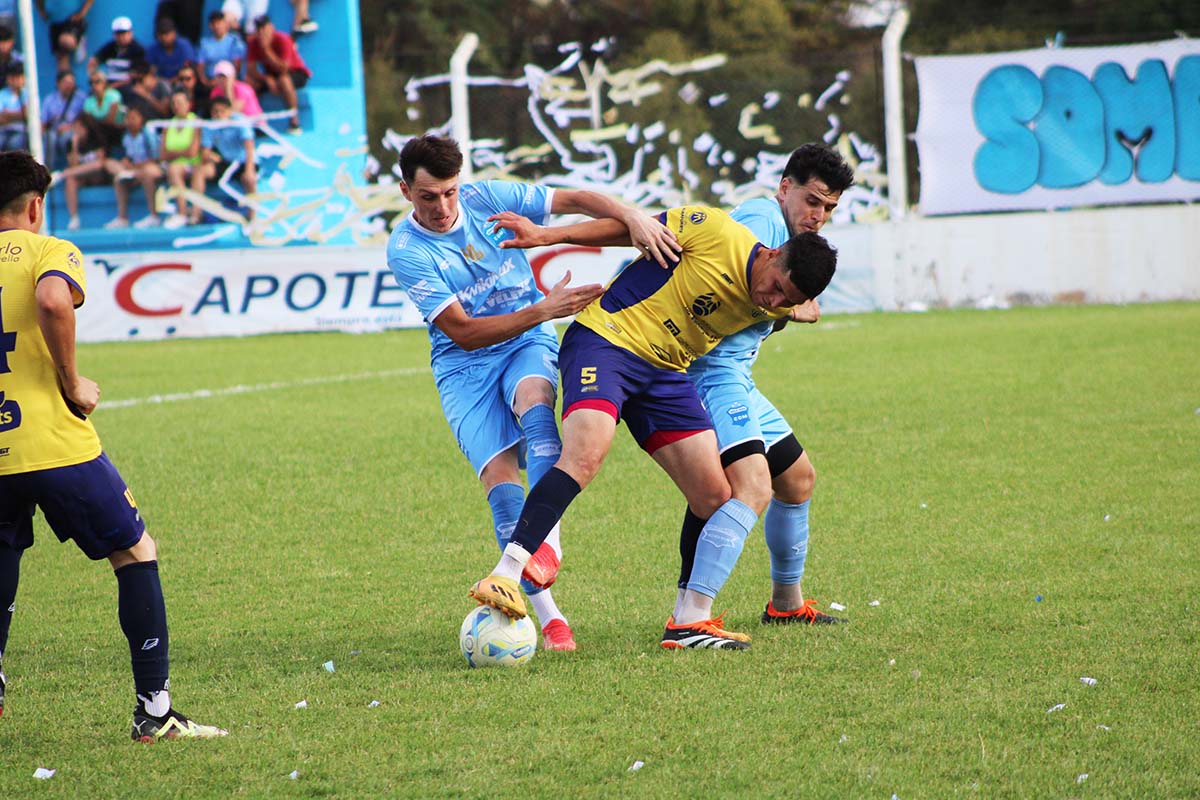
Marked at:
<point>739,414</point>
<point>472,253</point>
<point>705,304</point>
<point>697,217</point>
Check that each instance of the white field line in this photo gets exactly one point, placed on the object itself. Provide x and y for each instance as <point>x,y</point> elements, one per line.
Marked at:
<point>204,394</point>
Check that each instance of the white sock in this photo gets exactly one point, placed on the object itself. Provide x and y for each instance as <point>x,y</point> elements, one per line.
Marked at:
<point>157,704</point>
<point>512,562</point>
<point>552,539</point>
<point>693,607</point>
<point>545,608</point>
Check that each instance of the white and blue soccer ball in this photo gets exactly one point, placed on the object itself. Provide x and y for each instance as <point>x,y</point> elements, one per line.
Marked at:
<point>489,638</point>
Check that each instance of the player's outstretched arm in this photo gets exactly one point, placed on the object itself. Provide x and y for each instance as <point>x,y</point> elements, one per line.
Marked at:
<point>645,232</point>
<point>593,233</point>
<point>472,333</point>
<point>56,318</point>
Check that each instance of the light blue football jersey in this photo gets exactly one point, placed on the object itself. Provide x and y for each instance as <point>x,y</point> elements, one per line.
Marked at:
<point>466,264</point>
<point>764,218</point>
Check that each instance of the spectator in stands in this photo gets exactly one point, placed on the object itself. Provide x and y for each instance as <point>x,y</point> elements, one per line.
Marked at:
<point>188,82</point>
<point>103,113</point>
<point>148,93</point>
<point>8,14</point>
<point>8,52</point>
<point>140,164</point>
<point>222,45</point>
<point>60,109</point>
<point>239,94</point>
<point>301,23</point>
<point>86,166</point>
<point>13,135</point>
<point>180,150</point>
<point>188,16</point>
<point>273,64</point>
<point>67,21</point>
<point>230,145</point>
<point>117,56</point>
<point>170,51</point>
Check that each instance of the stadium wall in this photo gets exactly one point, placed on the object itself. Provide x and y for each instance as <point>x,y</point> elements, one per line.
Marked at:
<point>1111,255</point>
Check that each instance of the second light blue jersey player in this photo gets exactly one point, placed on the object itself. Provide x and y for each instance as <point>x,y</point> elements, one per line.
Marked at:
<point>746,423</point>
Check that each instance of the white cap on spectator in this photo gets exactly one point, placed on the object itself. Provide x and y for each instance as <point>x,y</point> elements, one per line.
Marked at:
<point>225,68</point>
<point>121,24</point>
<point>233,8</point>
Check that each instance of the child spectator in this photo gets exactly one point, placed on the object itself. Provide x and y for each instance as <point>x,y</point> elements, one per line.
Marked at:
<point>222,45</point>
<point>239,94</point>
<point>188,82</point>
<point>148,93</point>
<point>60,109</point>
<point>139,164</point>
<point>103,114</point>
<point>13,135</point>
<point>170,51</point>
<point>273,64</point>
<point>230,145</point>
<point>117,56</point>
<point>8,52</point>
<point>86,166</point>
<point>67,21</point>
<point>180,149</point>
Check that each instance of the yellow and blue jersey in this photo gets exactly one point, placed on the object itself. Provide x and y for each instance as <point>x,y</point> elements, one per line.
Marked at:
<point>670,317</point>
<point>37,428</point>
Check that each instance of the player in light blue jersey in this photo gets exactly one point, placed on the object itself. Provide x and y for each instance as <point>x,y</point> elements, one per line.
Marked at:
<point>757,444</point>
<point>494,352</point>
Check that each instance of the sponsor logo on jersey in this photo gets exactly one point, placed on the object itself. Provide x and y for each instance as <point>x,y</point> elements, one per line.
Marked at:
<point>73,260</point>
<point>705,304</point>
<point>728,279</point>
<point>10,414</point>
<point>420,292</point>
<point>661,354</point>
<point>670,325</point>
<point>739,414</point>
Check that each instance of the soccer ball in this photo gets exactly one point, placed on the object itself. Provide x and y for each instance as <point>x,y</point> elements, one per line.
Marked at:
<point>489,638</point>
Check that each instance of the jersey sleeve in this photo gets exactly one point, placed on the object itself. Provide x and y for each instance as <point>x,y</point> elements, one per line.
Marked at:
<point>527,199</point>
<point>762,224</point>
<point>63,259</point>
<point>418,276</point>
<point>697,227</point>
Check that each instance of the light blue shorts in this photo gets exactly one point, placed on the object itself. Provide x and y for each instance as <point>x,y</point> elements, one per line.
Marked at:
<point>741,413</point>
<point>478,399</point>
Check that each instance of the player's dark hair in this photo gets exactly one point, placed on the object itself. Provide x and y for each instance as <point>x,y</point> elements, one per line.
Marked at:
<point>20,176</point>
<point>6,34</point>
<point>809,261</point>
<point>215,15</point>
<point>438,155</point>
<point>815,160</point>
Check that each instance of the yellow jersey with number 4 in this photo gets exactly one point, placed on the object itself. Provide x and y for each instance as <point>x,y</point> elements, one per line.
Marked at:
<point>38,429</point>
<point>670,317</point>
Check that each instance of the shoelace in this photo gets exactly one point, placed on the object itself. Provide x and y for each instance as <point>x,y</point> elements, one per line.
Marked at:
<point>808,610</point>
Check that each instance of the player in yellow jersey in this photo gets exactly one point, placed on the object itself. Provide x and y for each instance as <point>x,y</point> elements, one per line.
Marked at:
<point>624,358</point>
<point>50,456</point>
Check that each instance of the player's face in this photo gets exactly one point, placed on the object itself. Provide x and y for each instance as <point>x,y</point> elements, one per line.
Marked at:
<point>806,206</point>
<point>772,288</point>
<point>435,200</point>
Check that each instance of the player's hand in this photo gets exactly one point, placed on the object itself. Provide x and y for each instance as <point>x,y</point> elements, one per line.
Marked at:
<point>653,239</point>
<point>808,311</point>
<point>83,394</point>
<point>564,301</point>
<point>525,233</point>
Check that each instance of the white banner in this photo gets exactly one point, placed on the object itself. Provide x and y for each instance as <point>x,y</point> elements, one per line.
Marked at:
<point>1059,127</point>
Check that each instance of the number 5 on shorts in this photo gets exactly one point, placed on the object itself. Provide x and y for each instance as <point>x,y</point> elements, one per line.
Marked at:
<point>587,376</point>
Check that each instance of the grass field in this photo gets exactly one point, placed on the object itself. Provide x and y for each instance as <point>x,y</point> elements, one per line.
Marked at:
<point>969,463</point>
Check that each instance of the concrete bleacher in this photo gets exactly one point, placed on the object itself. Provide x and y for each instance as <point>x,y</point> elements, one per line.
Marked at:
<point>332,116</point>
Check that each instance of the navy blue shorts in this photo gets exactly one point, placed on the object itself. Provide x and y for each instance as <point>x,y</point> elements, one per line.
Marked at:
<point>86,502</point>
<point>659,405</point>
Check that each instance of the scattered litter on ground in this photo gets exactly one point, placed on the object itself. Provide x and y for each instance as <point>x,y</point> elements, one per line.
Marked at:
<point>1103,728</point>
<point>1088,681</point>
<point>891,662</point>
<point>1058,707</point>
<point>873,603</point>
<point>1082,777</point>
<point>844,739</point>
<point>43,774</point>
<point>1038,599</point>
<point>837,606</point>
<point>373,704</point>
<point>924,505</point>
<point>635,766</point>
<point>328,665</point>
<point>1107,517</point>
<point>302,704</point>
<point>294,774</point>
<point>356,652</point>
